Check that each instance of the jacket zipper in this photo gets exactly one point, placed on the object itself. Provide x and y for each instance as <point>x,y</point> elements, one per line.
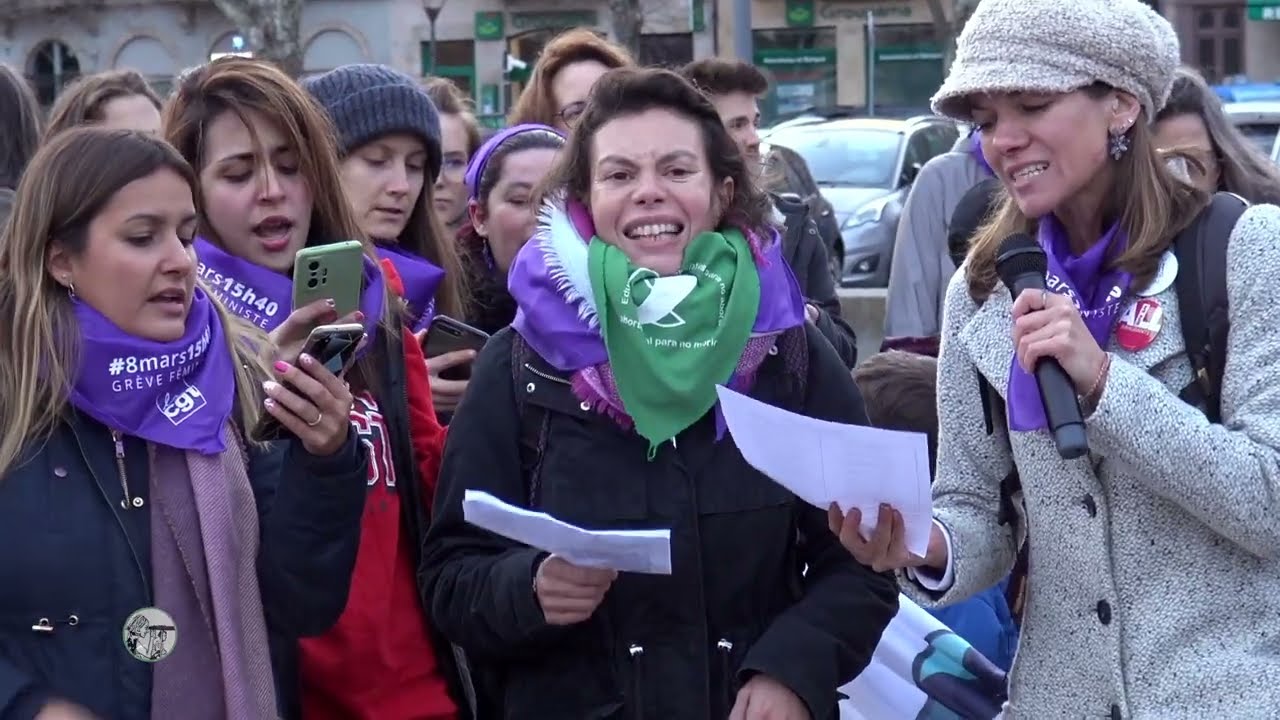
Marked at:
<point>146,582</point>
<point>724,647</point>
<point>46,626</point>
<point>125,502</point>
<point>552,378</point>
<point>637,681</point>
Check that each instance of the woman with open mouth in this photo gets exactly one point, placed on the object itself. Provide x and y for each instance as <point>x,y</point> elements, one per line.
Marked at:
<point>271,183</point>
<point>133,502</point>
<point>653,277</point>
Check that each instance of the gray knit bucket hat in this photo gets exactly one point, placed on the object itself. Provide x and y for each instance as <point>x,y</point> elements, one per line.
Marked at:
<point>1051,46</point>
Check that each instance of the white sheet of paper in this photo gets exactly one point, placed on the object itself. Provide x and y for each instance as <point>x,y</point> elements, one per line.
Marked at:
<point>824,462</point>
<point>637,551</point>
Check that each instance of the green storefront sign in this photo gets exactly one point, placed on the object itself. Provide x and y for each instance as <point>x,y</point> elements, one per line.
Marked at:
<point>552,20</point>
<point>905,53</point>
<point>799,13</point>
<point>777,58</point>
<point>1264,10</point>
<point>489,26</point>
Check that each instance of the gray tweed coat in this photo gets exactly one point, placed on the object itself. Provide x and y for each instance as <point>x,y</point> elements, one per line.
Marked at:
<point>1154,586</point>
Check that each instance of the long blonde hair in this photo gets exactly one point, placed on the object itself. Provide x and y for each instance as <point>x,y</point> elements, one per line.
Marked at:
<point>243,86</point>
<point>70,179</point>
<point>1151,203</point>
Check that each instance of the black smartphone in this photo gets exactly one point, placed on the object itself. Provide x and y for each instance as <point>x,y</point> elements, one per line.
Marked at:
<point>447,335</point>
<point>335,347</point>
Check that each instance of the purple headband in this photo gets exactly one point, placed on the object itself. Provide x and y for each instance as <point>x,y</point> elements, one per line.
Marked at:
<point>475,168</point>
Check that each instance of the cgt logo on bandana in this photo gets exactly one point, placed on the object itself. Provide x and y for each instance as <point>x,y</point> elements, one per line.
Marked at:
<point>178,407</point>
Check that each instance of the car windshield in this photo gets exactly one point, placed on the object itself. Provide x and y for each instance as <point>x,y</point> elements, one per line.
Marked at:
<point>1262,135</point>
<point>845,157</point>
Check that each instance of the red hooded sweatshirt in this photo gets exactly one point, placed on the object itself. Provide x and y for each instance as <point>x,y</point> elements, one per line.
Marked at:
<point>377,662</point>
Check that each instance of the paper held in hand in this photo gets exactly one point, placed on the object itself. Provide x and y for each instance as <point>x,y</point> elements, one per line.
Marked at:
<point>637,551</point>
<point>824,462</point>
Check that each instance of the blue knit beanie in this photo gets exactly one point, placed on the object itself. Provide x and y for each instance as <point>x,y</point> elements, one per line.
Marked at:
<point>366,102</point>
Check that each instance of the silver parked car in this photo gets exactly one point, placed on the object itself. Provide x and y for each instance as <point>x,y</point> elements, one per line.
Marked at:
<point>864,167</point>
<point>1258,120</point>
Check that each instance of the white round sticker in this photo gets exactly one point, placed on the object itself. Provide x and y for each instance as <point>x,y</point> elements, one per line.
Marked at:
<point>1165,275</point>
<point>150,635</point>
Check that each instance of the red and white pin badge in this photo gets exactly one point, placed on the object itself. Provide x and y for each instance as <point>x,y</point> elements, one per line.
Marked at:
<point>1140,324</point>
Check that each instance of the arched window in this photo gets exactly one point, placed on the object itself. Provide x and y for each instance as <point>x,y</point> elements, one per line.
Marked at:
<point>53,65</point>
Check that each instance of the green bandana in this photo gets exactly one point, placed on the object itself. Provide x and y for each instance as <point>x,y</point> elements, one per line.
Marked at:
<point>671,340</point>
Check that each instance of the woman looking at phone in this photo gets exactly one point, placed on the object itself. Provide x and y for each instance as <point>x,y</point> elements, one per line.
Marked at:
<point>270,183</point>
<point>124,487</point>
<point>389,142</point>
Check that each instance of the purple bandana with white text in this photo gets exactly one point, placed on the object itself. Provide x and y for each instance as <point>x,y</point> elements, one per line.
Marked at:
<point>178,394</point>
<point>264,297</point>
<point>1097,294</point>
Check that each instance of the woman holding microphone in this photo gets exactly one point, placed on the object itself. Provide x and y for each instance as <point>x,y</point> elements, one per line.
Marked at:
<point>1153,582</point>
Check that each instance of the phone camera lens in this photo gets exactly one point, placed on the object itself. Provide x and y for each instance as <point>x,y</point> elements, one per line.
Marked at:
<point>312,283</point>
<point>314,265</point>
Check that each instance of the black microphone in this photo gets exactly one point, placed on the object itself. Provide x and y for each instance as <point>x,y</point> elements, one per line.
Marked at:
<point>1021,265</point>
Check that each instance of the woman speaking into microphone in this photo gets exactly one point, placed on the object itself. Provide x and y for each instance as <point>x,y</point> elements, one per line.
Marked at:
<point>1153,580</point>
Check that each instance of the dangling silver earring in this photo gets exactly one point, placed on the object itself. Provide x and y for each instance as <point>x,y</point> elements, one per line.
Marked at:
<point>71,288</point>
<point>1118,143</point>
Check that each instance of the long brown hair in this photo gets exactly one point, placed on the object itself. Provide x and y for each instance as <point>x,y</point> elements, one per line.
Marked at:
<point>83,102</point>
<point>70,179</point>
<point>630,91</point>
<point>20,125</point>
<point>1150,202</point>
<point>536,104</point>
<point>243,86</point>
<point>1244,169</point>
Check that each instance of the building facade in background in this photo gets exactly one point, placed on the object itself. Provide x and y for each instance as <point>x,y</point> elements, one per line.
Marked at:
<point>821,53</point>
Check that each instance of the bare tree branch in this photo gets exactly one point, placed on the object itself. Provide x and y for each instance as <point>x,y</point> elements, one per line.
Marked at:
<point>273,29</point>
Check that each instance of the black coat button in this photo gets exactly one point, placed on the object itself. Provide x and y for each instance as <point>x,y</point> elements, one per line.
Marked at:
<point>1090,506</point>
<point>1104,614</point>
<point>1115,712</point>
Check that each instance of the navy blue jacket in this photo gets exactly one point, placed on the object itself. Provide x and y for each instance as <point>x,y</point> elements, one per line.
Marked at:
<point>75,559</point>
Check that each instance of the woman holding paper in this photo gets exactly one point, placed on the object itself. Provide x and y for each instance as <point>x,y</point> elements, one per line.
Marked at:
<point>1153,576</point>
<point>601,412</point>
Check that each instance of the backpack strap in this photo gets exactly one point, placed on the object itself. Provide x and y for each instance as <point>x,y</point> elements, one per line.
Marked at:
<point>1201,249</point>
<point>968,215</point>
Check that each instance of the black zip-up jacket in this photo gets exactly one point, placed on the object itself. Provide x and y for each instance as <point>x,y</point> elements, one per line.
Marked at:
<point>759,583</point>
<point>805,252</point>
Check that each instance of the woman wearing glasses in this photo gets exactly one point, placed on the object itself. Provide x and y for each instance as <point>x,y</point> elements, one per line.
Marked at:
<point>459,140</point>
<point>562,79</point>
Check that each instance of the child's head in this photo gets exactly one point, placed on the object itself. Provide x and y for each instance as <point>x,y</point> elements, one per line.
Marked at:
<point>900,391</point>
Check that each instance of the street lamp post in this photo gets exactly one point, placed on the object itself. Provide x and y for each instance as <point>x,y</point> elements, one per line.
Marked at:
<point>432,8</point>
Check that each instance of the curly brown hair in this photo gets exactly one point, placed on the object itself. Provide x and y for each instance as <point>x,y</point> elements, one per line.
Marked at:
<point>631,91</point>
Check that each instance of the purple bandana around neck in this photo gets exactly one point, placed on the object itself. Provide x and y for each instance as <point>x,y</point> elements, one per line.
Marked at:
<point>552,326</point>
<point>178,394</point>
<point>264,297</point>
<point>1098,294</point>
<point>420,279</point>
<point>975,149</point>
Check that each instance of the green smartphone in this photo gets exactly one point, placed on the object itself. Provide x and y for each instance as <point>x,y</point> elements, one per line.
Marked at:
<point>329,271</point>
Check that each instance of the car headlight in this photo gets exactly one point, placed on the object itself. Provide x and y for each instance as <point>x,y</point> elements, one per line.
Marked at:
<point>868,214</point>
